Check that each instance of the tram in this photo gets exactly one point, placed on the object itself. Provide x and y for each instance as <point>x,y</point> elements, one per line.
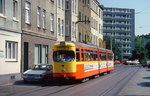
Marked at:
<point>74,60</point>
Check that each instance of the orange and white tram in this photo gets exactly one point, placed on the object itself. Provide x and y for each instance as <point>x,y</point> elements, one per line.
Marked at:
<point>76,60</point>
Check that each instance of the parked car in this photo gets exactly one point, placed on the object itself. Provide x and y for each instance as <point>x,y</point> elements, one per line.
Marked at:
<point>117,62</point>
<point>38,72</point>
<point>125,63</point>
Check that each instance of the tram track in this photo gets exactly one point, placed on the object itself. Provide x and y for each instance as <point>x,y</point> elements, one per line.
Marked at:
<point>56,89</point>
<point>125,79</point>
<point>88,87</point>
<point>95,83</point>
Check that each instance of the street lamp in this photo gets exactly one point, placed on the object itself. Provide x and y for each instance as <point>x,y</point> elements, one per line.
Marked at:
<point>82,21</point>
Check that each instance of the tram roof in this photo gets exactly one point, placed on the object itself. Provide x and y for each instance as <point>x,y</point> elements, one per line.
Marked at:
<point>89,45</point>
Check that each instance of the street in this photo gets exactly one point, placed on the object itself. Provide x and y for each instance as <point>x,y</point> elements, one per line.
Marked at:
<point>114,84</point>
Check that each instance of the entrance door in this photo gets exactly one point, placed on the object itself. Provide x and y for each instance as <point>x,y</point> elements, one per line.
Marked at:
<point>26,48</point>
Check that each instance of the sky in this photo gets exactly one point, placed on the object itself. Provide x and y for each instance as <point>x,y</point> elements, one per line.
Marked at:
<point>142,12</point>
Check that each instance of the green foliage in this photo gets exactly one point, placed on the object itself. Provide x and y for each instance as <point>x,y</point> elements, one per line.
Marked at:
<point>111,44</point>
<point>148,48</point>
<point>140,52</point>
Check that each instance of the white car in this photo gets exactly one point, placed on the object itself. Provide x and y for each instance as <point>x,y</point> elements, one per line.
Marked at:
<point>38,72</point>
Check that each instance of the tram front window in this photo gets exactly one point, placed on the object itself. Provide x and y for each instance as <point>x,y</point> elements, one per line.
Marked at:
<point>63,56</point>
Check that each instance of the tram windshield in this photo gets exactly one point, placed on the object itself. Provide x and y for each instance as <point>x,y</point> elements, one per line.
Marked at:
<point>63,56</point>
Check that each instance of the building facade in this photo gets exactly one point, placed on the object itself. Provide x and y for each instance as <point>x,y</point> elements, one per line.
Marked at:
<point>96,23</point>
<point>60,19</point>
<point>71,18</point>
<point>119,23</point>
<point>10,39</point>
<point>38,31</point>
<point>84,14</point>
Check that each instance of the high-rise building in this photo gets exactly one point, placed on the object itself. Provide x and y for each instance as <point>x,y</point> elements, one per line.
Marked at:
<point>119,23</point>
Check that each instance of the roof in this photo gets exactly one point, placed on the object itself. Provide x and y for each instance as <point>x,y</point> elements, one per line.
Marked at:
<point>89,45</point>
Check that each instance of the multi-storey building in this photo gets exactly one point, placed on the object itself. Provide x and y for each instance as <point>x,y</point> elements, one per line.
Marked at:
<point>60,19</point>
<point>71,17</point>
<point>119,24</point>
<point>96,23</point>
<point>38,31</point>
<point>10,39</point>
<point>84,14</point>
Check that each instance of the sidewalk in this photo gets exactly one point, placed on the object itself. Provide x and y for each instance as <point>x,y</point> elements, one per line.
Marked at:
<point>9,79</point>
<point>139,85</point>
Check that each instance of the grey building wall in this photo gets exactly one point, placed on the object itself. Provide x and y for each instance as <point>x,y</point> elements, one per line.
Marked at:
<point>32,34</point>
<point>7,22</point>
<point>68,20</point>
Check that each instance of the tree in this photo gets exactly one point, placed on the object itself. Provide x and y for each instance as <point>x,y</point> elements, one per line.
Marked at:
<point>140,52</point>
<point>111,44</point>
<point>148,48</point>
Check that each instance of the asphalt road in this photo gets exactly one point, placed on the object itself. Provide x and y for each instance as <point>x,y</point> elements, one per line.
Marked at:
<point>105,85</point>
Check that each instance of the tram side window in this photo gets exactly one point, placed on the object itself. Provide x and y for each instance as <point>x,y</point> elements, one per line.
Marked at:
<point>88,54</point>
<point>103,56</point>
<point>95,57</point>
<point>77,55</point>
<point>91,55</point>
<point>83,54</point>
<point>110,56</point>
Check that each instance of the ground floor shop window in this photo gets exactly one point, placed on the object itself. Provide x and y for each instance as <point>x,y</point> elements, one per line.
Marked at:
<point>40,54</point>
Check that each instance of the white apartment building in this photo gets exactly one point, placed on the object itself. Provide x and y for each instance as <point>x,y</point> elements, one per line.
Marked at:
<point>96,23</point>
<point>10,39</point>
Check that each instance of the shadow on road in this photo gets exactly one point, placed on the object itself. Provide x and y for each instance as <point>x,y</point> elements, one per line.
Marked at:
<point>44,84</point>
<point>133,95</point>
<point>144,84</point>
<point>21,83</point>
<point>148,70</point>
<point>146,77</point>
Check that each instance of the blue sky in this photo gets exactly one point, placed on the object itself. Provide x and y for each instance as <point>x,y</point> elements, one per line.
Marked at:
<point>142,9</point>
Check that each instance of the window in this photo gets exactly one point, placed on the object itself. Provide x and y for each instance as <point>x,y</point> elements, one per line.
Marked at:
<point>72,29</point>
<point>67,5</point>
<point>38,16</point>
<point>75,7</point>
<point>59,29</point>
<point>59,3</point>
<point>11,50</point>
<point>110,56</point>
<point>62,27</point>
<point>15,8</point>
<point>63,56</point>
<point>99,29</point>
<point>103,56</point>
<point>77,55</point>
<point>83,55</point>
<point>44,18</point>
<point>2,6</point>
<point>52,22</point>
<point>72,5</point>
<point>28,12</point>
<point>40,54</point>
<point>63,4</point>
<point>79,16</point>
